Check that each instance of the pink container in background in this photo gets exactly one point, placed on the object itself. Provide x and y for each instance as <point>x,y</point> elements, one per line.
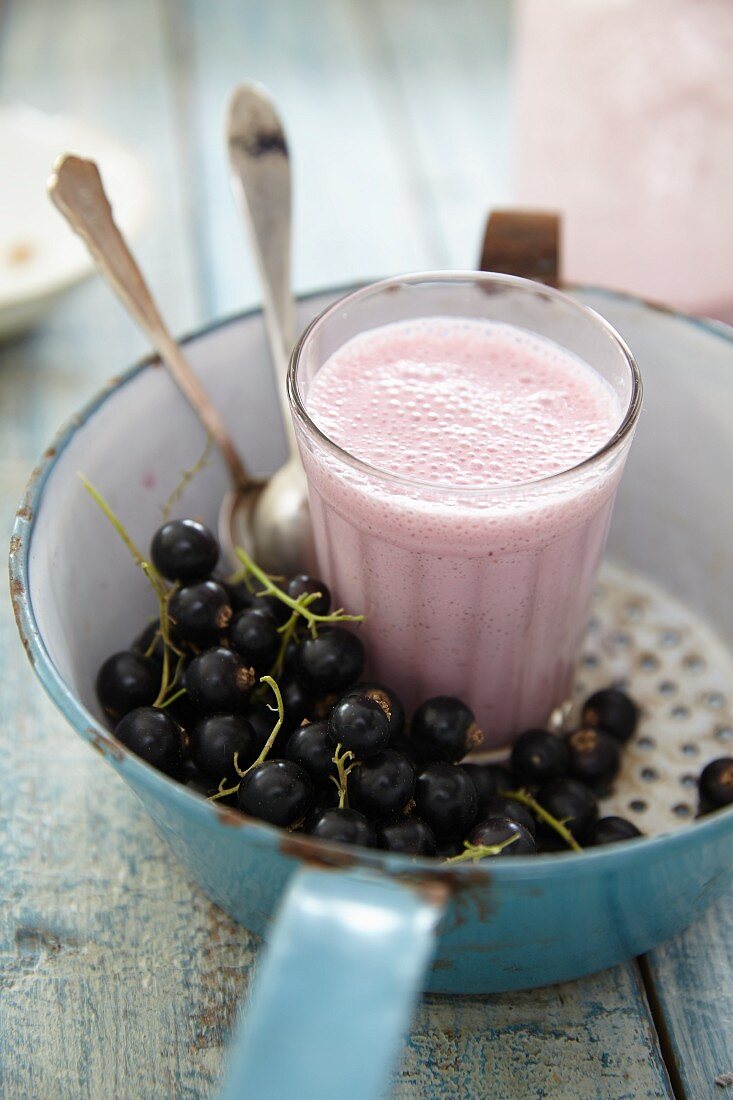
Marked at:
<point>624,124</point>
<point>477,592</point>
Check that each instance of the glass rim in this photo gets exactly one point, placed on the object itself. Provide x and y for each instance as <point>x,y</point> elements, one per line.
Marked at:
<point>303,418</point>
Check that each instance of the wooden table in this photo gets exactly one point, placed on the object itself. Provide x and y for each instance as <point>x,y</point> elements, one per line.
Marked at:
<point>117,977</point>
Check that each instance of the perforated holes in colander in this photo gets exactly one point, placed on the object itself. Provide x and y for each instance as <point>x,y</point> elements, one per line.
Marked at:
<point>680,673</point>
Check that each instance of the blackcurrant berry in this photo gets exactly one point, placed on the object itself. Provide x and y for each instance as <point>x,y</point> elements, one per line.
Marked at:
<point>331,662</point>
<point>497,830</point>
<point>613,711</point>
<point>262,720</point>
<point>344,826</point>
<point>570,801</point>
<point>303,585</point>
<point>539,757</point>
<point>444,728</point>
<point>277,791</point>
<point>152,735</point>
<point>239,595</point>
<point>501,806</point>
<point>215,740</point>
<point>445,798</point>
<point>321,707</point>
<point>716,784</point>
<point>382,786</point>
<point>184,712</point>
<point>190,776</point>
<point>325,798</point>
<point>297,703</point>
<point>200,612</point>
<point>125,681</point>
<point>611,829</point>
<point>253,634</point>
<point>488,779</point>
<point>392,705</point>
<point>407,748</point>
<point>279,610</point>
<point>218,680</point>
<point>291,651</point>
<point>409,835</point>
<point>312,748</point>
<point>549,842</point>
<point>184,550</point>
<point>445,849</point>
<point>359,723</point>
<point>593,756</point>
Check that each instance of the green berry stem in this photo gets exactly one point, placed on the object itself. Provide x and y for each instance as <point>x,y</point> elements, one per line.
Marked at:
<point>480,851</point>
<point>162,592</point>
<point>187,477</point>
<point>276,728</point>
<point>539,811</point>
<point>224,791</point>
<point>171,699</point>
<point>300,606</point>
<point>287,630</point>
<point>163,595</point>
<point>286,633</point>
<point>345,762</point>
<point>113,519</point>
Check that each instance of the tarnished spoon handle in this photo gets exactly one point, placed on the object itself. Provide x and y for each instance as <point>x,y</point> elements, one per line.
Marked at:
<point>260,175</point>
<point>76,189</point>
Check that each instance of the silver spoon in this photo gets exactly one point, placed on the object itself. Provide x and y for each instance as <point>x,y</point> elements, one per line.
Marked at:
<point>260,176</point>
<point>76,189</point>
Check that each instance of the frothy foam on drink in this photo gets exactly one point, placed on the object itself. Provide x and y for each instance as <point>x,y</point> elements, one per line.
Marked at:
<point>463,403</point>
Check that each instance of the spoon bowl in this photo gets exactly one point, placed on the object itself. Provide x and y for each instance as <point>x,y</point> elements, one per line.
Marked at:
<point>263,522</point>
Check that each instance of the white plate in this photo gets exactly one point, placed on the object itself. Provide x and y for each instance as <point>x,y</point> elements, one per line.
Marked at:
<point>40,257</point>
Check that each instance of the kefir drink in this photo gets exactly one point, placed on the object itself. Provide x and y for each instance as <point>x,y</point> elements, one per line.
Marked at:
<point>467,528</point>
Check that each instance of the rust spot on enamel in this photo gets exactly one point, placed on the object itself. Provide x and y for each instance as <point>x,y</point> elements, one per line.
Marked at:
<point>104,744</point>
<point>15,544</point>
<point>312,852</point>
<point>435,889</point>
<point>17,591</point>
<point>24,512</point>
<point>229,816</point>
<point>27,648</point>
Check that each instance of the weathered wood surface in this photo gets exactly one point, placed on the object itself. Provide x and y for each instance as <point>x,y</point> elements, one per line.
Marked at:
<point>692,980</point>
<point>117,977</point>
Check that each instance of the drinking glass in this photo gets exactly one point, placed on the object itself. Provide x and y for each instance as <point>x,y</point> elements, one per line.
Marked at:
<point>482,593</point>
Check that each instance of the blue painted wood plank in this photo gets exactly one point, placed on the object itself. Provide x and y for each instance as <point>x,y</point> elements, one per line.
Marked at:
<point>693,981</point>
<point>451,69</point>
<point>355,217</point>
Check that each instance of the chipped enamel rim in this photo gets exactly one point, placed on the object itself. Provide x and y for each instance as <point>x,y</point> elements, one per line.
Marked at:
<point>158,786</point>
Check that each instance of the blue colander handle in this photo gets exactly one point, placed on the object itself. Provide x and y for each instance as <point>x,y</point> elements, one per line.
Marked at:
<point>334,993</point>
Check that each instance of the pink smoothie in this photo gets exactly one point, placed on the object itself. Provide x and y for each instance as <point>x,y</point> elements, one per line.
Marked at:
<point>474,574</point>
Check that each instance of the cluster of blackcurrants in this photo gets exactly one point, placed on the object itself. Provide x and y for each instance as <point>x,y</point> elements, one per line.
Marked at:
<point>336,757</point>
